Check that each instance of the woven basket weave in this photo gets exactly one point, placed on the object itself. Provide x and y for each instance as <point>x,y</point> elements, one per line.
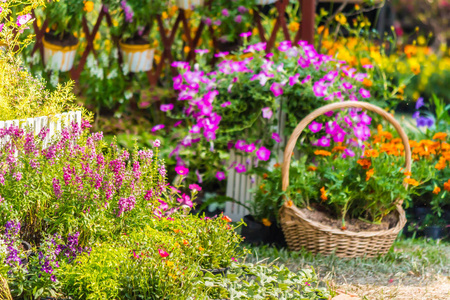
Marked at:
<point>300,232</point>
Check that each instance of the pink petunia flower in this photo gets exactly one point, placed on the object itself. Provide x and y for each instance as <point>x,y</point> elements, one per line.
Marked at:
<point>240,168</point>
<point>195,187</point>
<point>158,127</point>
<point>323,142</point>
<point>364,93</point>
<point>220,176</point>
<point>263,154</point>
<point>267,112</point>
<point>181,170</point>
<point>225,104</point>
<point>315,127</point>
<point>277,89</point>
<point>166,107</point>
<point>276,137</point>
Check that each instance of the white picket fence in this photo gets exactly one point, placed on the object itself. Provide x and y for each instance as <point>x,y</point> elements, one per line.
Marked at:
<point>54,123</point>
<point>240,186</point>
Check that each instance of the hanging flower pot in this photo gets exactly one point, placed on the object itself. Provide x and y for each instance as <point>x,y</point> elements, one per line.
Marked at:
<point>265,2</point>
<point>189,4</point>
<point>139,58</point>
<point>60,56</point>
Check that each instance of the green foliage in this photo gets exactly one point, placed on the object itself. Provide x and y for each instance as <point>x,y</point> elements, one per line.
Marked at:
<point>263,281</point>
<point>64,17</point>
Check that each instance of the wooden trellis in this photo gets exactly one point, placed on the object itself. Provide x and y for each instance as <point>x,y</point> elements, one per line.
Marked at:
<point>167,37</point>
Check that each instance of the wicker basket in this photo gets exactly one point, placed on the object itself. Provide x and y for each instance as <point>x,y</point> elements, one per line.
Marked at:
<point>301,232</point>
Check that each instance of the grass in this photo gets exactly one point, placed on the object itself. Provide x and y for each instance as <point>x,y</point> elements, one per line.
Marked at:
<point>413,269</point>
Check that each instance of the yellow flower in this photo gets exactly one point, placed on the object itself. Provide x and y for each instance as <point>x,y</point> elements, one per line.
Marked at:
<point>415,68</point>
<point>357,7</point>
<point>255,31</point>
<point>169,263</point>
<point>88,6</point>
<point>266,222</point>
<point>340,18</point>
<point>294,26</point>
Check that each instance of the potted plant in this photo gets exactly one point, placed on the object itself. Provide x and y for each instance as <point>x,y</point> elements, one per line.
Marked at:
<point>229,20</point>
<point>189,4</point>
<point>137,20</point>
<point>359,185</point>
<point>60,44</point>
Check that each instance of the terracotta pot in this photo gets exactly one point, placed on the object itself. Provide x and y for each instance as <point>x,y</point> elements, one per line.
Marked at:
<point>60,58</point>
<point>189,4</point>
<point>139,58</point>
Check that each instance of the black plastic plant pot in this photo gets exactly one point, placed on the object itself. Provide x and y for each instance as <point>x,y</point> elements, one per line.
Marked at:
<point>27,248</point>
<point>255,232</point>
<point>434,232</point>
<point>420,212</point>
<point>276,236</point>
<point>221,271</point>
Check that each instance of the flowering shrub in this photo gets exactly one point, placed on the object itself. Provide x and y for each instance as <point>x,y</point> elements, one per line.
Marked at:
<point>77,181</point>
<point>254,86</point>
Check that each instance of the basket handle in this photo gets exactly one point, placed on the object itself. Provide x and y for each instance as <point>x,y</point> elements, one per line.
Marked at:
<point>331,107</point>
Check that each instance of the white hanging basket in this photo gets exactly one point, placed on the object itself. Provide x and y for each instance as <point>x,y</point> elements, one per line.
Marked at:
<point>189,4</point>
<point>265,2</point>
<point>139,58</point>
<point>59,58</point>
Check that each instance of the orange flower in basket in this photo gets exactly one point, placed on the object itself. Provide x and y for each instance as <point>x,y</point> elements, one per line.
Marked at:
<point>371,153</point>
<point>277,165</point>
<point>447,186</point>
<point>365,163</point>
<point>440,136</point>
<point>407,173</point>
<point>338,149</point>
<point>411,181</point>
<point>323,194</point>
<point>436,190</point>
<point>289,203</point>
<point>369,174</point>
<point>441,164</point>
<point>322,152</point>
<point>312,168</point>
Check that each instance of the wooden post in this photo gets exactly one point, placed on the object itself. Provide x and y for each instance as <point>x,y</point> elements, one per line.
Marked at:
<point>308,20</point>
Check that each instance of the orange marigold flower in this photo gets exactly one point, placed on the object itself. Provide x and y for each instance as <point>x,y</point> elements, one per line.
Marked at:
<point>367,82</point>
<point>447,186</point>
<point>322,152</point>
<point>411,181</point>
<point>371,153</point>
<point>338,149</point>
<point>277,165</point>
<point>185,242</point>
<point>312,168</point>
<point>369,174</point>
<point>176,230</point>
<point>323,194</point>
<point>266,222</point>
<point>227,219</point>
<point>289,203</point>
<point>407,173</point>
<point>436,190</point>
<point>441,164</point>
<point>88,6</point>
<point>265,175</point>
<point>365,163</point>
<point>440,136</point>
<point>201,248</point>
